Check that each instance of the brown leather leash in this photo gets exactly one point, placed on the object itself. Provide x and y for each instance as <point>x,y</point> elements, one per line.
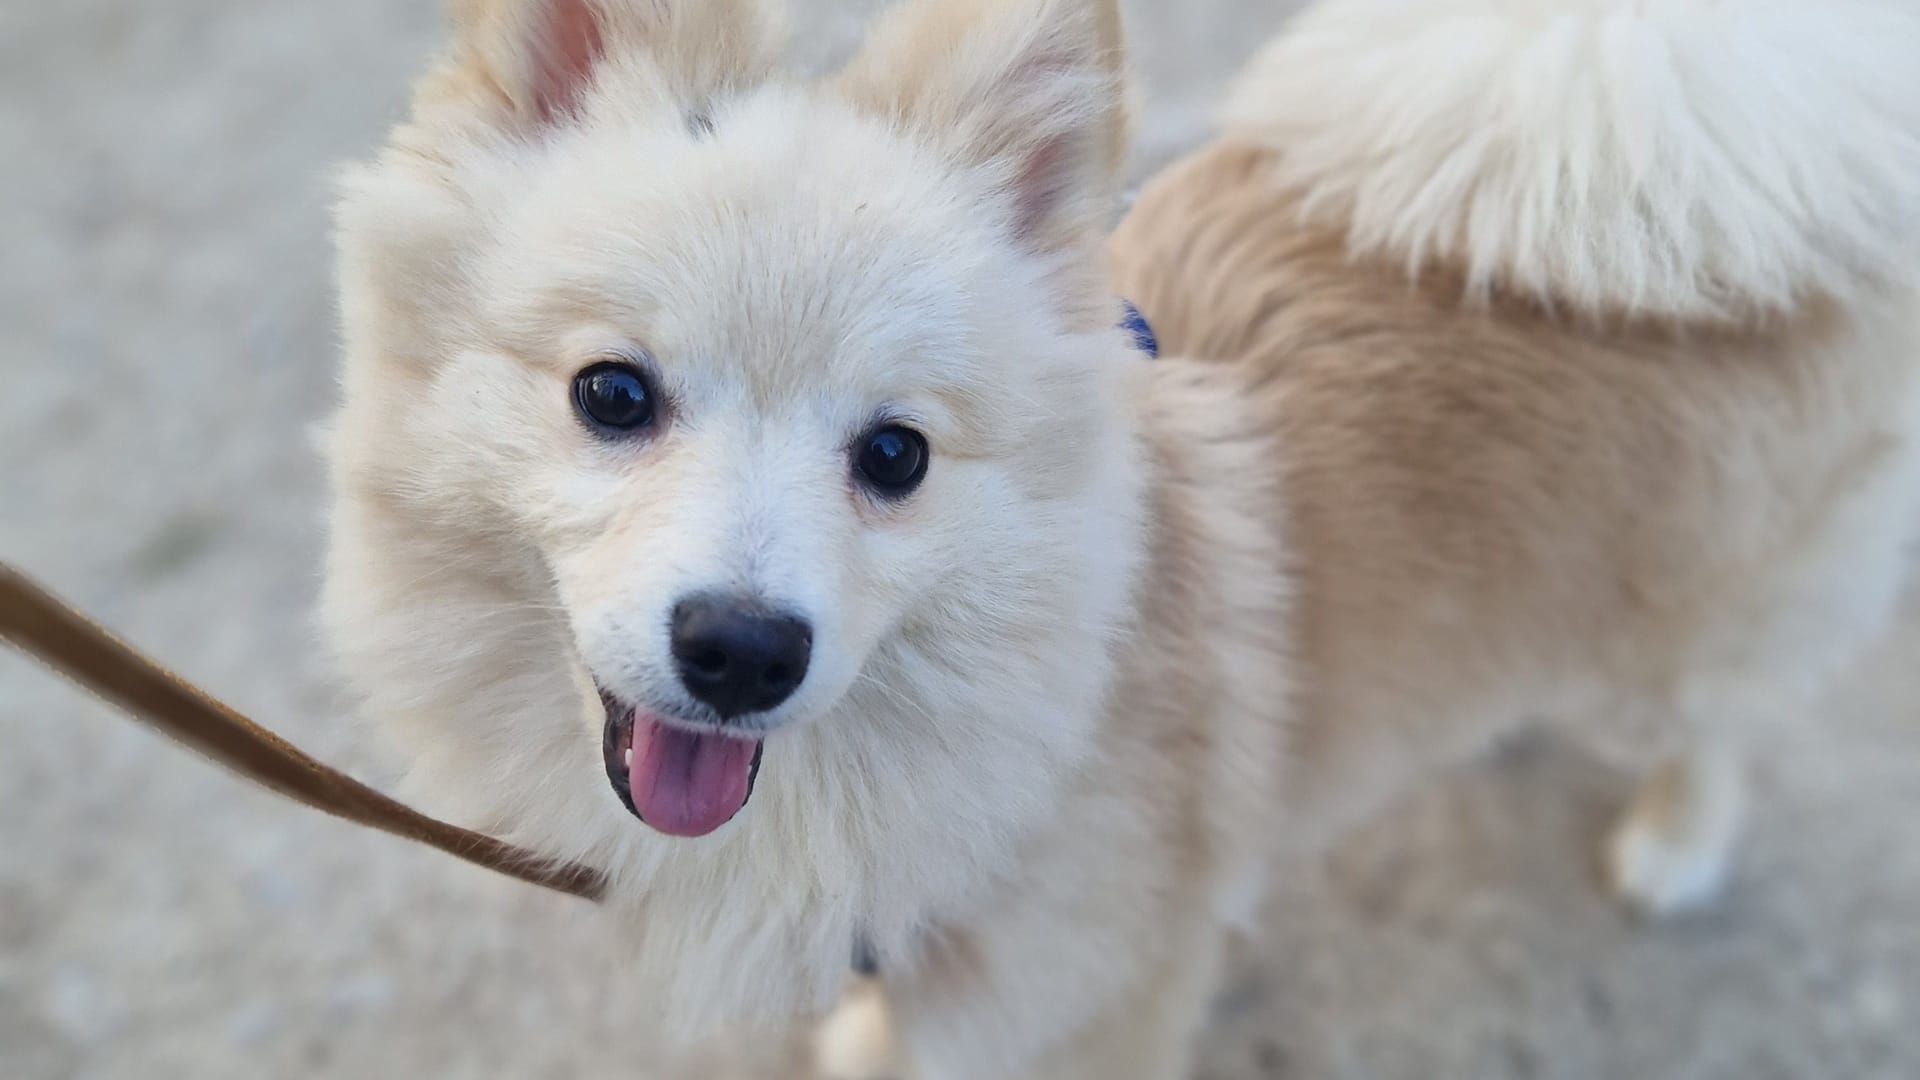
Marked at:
<point>37,623</point>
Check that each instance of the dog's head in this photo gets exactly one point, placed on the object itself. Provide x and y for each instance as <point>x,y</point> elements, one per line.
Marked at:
<point>691,406</point>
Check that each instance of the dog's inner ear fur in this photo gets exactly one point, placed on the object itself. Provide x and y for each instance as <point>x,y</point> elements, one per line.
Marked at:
<point>539,55</point>
<point>567,45</point>
<point>539,58</point>
<point>1030,90</point>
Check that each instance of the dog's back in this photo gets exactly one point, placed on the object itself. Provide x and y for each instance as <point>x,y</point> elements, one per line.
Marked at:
<point>1591,347</point>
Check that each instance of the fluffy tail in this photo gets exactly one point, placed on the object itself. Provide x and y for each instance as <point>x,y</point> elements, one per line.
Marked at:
<point>1693,159</point>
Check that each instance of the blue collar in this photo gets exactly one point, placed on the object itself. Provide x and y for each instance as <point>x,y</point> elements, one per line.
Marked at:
<point>1136,324</point>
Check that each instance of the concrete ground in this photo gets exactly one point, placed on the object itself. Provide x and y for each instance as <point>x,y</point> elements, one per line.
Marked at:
<point>166,338</point>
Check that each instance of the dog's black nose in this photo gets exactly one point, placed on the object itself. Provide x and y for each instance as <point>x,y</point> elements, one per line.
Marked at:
<point>737,655</point>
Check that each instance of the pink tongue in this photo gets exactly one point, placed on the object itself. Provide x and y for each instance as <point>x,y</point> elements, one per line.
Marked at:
<point>685,784</point>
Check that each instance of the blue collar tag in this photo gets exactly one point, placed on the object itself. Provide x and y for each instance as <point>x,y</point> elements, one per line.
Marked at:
<point>1136,324</point>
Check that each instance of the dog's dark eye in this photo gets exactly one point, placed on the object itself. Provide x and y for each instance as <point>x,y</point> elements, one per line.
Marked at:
<point>613,397</point>
<point>892,459</point>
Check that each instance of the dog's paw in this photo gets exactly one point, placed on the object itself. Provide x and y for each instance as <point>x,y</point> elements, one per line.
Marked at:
<point>856,1043</point>
<point>1659,873</point>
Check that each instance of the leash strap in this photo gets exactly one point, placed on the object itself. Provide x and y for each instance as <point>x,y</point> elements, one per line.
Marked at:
<point>37,623</point>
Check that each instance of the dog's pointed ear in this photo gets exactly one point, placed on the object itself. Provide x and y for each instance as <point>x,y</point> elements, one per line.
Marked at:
<point>539,55</point>
<point>1032,90</point>
<point>534,61</point>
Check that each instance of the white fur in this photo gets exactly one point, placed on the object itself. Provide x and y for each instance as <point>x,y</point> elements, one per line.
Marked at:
<point>1686,158</point>
<point>1671,853</point>
<point>856,1042</point>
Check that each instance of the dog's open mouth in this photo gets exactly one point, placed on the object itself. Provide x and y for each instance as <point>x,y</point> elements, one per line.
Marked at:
<point>681,782</point>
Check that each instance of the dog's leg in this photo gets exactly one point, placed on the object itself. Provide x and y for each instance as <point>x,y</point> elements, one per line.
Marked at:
<point>856,1042</point>
<point>1000,1023</point>
<point>1148,1035</point>
<point>1670,852</point>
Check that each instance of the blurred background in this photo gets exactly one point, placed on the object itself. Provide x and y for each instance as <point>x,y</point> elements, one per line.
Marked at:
<point>166,341</point>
